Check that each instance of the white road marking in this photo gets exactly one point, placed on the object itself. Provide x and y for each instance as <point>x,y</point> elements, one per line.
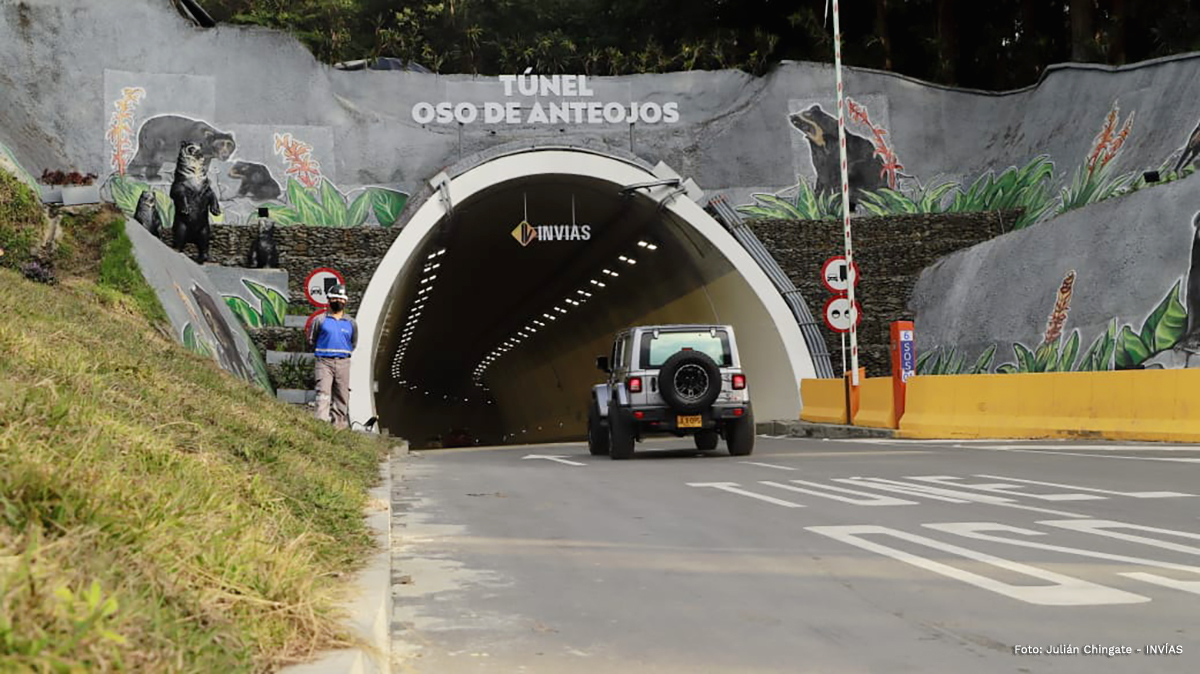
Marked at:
<point>1004,488</point>
<point>974,529</point>
<point>1093,456</point>
<point>766,465</point>
<point>863,498</point>
<point>1132,494</point>
<point>1064,591</point>
<point>732,488</point>
<point>1100,527</point>
<point>925,492</point>
<point>1103,528</point>
<point>949,494</point>
<point>1104,448</point>
<point>558,459</point>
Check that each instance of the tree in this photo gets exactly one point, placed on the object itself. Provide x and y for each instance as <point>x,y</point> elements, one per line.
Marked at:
<point>1083,30</point>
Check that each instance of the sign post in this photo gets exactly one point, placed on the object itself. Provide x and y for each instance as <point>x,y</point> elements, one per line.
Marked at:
<point>837,55</point>
<point>904,362</point>
<point>840,317</point>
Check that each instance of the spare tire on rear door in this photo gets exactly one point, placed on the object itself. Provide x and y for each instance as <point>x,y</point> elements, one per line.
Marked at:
<point>689,381</point>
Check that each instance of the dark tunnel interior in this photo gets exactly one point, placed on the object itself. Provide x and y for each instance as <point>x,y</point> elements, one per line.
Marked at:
<point>489,341</point>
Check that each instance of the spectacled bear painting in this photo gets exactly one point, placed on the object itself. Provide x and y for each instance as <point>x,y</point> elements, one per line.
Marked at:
<point>228,352</point>
<point>257,182</point>
<point>866,169</point>
<point>160,137</point>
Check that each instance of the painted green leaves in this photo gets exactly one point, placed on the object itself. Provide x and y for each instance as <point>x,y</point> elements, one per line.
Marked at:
<point>126,193</point>
<point>386,204</point>
<point>326,206</point>
<point>1026,187</point>
<point>196,343</point>
<point>247,314</point>
<point>274,303</point>
<point>937,362</point>
<point>274,306</point>
<point>1162,329</point>
<point>806,205</point>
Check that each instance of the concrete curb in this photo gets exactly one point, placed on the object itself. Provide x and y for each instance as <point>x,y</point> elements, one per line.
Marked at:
<point>370,607</point>
<point>805,429</point>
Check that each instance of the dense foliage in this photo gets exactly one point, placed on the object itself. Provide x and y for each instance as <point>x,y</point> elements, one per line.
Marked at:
<point>995,45</point>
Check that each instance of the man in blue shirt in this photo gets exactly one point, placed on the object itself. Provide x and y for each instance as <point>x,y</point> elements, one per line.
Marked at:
<point>333,336</point>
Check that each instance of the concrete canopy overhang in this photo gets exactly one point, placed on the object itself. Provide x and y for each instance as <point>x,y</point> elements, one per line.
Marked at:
<point>701,275</point>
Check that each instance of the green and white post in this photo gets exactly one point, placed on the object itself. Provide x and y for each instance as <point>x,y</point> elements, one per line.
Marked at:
<point>837,57</point>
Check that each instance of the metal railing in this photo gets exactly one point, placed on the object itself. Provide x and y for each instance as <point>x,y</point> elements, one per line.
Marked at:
<point>733,221</point>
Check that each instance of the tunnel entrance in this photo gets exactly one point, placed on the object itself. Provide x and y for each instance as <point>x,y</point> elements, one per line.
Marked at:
<point>483,322</point>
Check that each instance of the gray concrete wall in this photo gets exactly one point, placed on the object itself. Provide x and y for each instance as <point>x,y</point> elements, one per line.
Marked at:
<point>65,63</point>
<point>1127,256</point>
<point>200,318</point>
<point>65,66</point>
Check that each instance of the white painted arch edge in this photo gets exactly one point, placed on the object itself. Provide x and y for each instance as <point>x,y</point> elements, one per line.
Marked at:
<point>554,162</point>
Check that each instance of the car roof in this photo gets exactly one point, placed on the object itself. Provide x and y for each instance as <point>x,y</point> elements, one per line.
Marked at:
<point>681,326</point>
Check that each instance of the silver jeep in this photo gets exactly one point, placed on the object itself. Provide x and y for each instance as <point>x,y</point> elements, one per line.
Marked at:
<point>671,379</point>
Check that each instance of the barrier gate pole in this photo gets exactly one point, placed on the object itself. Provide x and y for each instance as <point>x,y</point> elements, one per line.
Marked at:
<point>837,57</point>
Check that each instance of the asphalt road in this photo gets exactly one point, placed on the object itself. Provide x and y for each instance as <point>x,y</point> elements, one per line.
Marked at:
<point>835,557</point>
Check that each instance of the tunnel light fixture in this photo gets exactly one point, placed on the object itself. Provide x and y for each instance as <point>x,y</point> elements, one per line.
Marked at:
<point>608,271</point>
<point>584,293</point>
<point>573,302</point>
<point>629,260</point>
<point>431,256</point>
<point>539,322</point>
<point>441,252</point>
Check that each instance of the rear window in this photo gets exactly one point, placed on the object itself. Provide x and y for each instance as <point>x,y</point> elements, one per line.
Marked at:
<point>656,350</point>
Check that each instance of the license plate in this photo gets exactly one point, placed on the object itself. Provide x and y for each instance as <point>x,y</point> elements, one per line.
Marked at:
<point>690,422</point>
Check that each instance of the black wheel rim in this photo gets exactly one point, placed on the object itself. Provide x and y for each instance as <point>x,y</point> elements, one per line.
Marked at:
<point>691,382</point>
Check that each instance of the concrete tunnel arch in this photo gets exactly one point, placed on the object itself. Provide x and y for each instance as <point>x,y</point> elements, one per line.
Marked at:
<point>731,289</point>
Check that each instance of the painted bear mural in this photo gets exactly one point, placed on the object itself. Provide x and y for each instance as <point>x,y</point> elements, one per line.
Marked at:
<point>147,212</point>
<point>257,181</point>
<point>159,139</point>
<point>194,200</point>
<point>820,129</point>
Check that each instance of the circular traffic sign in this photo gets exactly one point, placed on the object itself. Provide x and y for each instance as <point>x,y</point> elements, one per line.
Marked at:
<point>318,284</point>
<point>837,313</point>
<point>834,275</point>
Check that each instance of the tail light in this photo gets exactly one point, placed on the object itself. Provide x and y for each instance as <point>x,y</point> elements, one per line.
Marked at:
<point>635,384</point>
<point>639,415</point>
<point>739,382</point>
<point>737,412</point>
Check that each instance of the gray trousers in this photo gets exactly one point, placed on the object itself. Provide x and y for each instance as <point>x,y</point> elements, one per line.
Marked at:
<point>333,386</point>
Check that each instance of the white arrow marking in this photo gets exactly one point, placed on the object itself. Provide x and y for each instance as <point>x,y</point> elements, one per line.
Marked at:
<point>557,459</point>
<point>732,488</point>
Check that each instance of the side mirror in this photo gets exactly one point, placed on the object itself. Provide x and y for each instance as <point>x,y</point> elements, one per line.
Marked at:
<point>602,364</point>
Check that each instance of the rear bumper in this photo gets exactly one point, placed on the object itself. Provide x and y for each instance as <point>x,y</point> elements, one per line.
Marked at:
<point>660,420</point>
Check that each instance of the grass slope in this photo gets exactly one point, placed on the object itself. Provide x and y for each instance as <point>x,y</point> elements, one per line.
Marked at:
<point>157,514</point>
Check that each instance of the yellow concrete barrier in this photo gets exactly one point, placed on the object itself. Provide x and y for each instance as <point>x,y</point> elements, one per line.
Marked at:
<point>823,401</point>
<point>1162,405</point>
<point>876,407</point>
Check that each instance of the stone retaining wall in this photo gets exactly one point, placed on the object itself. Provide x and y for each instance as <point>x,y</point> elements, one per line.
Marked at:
<point>354,251</point>
<point>890,252</point>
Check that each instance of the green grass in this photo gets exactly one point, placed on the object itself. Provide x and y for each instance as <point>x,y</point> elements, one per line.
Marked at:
<point>157,514</point>
<point>21,220</point>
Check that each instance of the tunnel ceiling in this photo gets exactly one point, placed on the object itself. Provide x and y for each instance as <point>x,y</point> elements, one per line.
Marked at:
<point>473,287</point>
